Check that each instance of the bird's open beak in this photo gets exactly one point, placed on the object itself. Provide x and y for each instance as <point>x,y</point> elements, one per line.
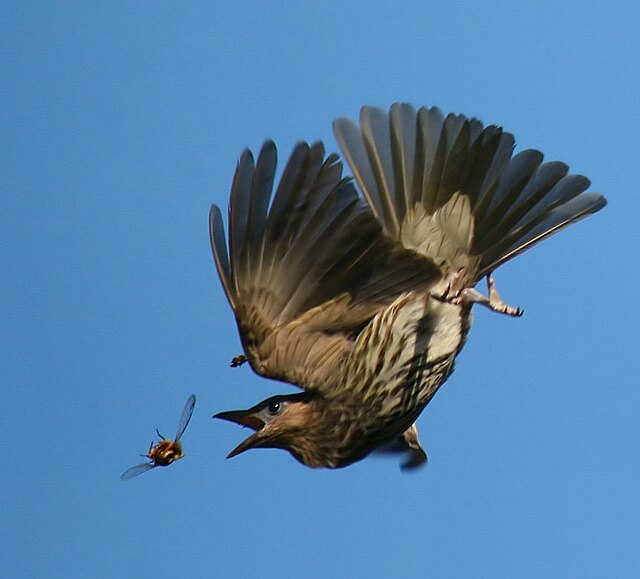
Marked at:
<point>243,418</point>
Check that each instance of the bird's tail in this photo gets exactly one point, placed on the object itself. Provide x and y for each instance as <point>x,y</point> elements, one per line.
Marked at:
<point>449,188</point>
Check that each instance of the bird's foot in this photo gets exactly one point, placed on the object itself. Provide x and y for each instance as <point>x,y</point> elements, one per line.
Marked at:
<point>417,456</point>
<point>493,302</point>
<point>450,295</point>
<point>409,445</point>
<point>238,361</point>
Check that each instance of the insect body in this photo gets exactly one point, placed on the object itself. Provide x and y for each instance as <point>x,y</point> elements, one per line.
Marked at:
<point>166,451</point>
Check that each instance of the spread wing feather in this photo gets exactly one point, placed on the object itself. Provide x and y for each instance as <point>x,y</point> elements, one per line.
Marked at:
<point>304,272</point>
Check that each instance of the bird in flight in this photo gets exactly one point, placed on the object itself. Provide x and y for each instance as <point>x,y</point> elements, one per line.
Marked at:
<point>166,451</point>
<point>364,304</point>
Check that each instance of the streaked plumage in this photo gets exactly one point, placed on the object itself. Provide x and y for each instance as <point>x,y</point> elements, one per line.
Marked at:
<point>365,305</point>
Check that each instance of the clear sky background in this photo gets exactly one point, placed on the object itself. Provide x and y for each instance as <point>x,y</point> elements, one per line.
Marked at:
<point>121,122</point>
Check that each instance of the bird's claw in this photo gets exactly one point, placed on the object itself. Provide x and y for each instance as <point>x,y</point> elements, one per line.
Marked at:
<point>449,295</point>
<point>471,295</point>
<point>493,302</point>
<point>496,303</point>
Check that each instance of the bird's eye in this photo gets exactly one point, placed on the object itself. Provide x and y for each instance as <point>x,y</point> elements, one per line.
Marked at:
<point>275,407</point>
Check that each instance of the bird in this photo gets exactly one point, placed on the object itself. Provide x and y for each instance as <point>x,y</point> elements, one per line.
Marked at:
<point>166,451</point>
<point>364,302</point>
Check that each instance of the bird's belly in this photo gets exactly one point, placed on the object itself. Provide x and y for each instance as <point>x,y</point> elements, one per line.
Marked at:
<point>419,339</point>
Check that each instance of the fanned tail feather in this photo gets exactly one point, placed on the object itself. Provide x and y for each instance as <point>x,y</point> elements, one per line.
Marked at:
<point>416,168</point>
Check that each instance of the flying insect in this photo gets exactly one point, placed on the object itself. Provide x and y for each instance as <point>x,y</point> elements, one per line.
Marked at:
<point>166,451</point>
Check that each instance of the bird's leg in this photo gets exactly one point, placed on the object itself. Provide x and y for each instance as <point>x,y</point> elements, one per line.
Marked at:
<point>417,455</point>
<point>238,361</point>
<point>408,444</point>
<point>493,302</point>
<point>449,295</point>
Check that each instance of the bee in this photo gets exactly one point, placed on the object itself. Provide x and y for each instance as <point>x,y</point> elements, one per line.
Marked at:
<point>166,451</point>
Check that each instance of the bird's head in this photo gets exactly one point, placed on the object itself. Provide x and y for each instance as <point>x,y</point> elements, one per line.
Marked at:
<point>296,422</point>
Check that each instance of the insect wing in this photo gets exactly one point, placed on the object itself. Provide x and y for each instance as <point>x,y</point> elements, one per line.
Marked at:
<point>186,416</point>
<point>136,470</point>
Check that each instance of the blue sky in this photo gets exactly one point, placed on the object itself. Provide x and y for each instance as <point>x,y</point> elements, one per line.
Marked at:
<point>122,122</point>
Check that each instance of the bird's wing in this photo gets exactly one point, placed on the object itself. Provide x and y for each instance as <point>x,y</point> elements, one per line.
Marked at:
<point>449,188</point>
<point>306,270</point>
